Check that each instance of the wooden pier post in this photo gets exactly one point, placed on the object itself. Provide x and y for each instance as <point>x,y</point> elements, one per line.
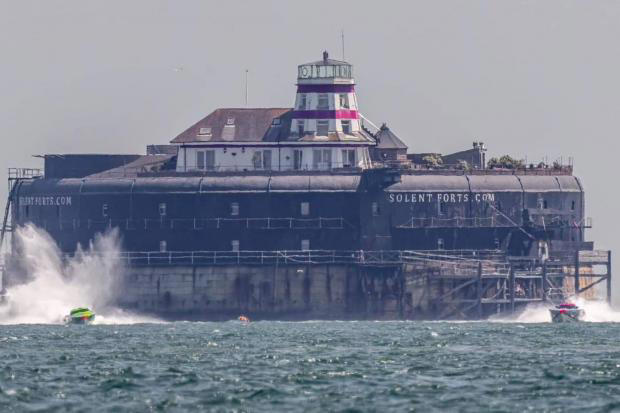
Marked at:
<point>544,281</point>
<point>511,286</point>
<point>577,273</point>
<point>609,277</point>
<point>479,289</point>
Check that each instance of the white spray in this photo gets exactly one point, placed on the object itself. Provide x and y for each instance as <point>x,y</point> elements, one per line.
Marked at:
<point>90,278</point>
<point>596,311</point>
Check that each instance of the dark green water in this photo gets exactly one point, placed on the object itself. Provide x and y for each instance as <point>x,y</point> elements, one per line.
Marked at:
<point>313,366</point>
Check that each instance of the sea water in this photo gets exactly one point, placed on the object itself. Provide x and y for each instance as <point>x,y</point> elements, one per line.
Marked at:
<point>311,366</point>
<point>132,363</point>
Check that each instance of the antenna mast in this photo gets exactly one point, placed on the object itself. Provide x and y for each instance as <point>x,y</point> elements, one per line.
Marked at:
<point>342,36</point>
<point>246,87</point>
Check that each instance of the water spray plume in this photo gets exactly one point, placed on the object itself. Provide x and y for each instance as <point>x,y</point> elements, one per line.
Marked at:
<point>596,311</point>
<point>53,286</point>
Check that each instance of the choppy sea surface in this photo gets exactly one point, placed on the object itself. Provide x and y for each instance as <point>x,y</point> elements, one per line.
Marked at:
<point>127,362</point>
<point>311,366</point>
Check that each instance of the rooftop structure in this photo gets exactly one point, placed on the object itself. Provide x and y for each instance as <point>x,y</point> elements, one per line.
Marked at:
<point>322,132</point>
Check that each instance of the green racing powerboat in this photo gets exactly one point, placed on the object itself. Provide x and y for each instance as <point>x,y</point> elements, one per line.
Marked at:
<point>80,315</point>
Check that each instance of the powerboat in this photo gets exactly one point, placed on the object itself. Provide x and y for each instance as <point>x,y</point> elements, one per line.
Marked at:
<point>80,315</point>
<point>566,313</point>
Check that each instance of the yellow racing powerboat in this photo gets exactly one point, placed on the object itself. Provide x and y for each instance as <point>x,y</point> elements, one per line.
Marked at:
<point>80,315</point>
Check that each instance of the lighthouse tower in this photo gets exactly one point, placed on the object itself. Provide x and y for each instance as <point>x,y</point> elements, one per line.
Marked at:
<point>326,105</point>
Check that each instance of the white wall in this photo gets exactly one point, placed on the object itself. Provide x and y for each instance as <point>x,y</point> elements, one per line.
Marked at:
<point>282,158</point>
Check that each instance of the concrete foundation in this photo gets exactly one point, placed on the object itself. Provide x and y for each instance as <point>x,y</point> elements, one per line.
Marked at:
<point>329,291</point>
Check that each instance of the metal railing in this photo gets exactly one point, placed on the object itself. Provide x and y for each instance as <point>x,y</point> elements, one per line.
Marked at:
<point>459,222</point>
<point>463,259</point>
<point>199,223</point>
<point>25,173</point>
<point>416,170</point>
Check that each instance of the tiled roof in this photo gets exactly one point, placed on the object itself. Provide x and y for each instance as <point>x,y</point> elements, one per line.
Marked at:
<point>236,125</point>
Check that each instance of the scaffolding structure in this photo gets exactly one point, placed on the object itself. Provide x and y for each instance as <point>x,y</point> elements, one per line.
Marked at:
<point>504,288</point>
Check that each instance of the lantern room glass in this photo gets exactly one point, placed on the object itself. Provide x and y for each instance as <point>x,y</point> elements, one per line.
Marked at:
<point>325,70</point>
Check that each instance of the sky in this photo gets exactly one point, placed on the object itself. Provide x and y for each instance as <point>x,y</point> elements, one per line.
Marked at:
<point>537,80</point>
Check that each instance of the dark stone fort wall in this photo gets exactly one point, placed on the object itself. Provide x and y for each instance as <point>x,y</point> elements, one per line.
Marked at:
<point>370,220</point>
<point>286,292</point>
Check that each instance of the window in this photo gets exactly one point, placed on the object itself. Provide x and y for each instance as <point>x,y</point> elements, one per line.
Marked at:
<point>205,131</point>
<point>317,158</point>
<point>303,101</point>
<point>235,245</point>
<point>267,160</point>
<point>440,244</point>
<point>257,159</point>
<point>262,160</point>
<point>301,124</point>
<point>230,121</point>
<point>346,126</point>
<point>305,245</point>
<point>297,159</point>
<point>104,210</point>
<point>323,101</point>
<point>276,121</point>
<point>539,202</point>
<point>163,246</point>
<point>200,160</point>
<point>322,127</point>
<point>327,158</point>
<point>375,209</point>
<point>162,209</point>
<point>545,204</point>
<point>209,160</point>
<point>305,208</point>
<point>572,205</point>
<point>234,208</point>
<point>344,100</point>
<point>441,207</point>
<point>322,159</point>
<point>348,158</point>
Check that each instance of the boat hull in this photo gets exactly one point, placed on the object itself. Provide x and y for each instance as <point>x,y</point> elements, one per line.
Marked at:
<point>79,320</point>
<point>566,315</point>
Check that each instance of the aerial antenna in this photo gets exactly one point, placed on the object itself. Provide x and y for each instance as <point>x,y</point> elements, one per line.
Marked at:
<point>342,37</point>
<point>246,87</point>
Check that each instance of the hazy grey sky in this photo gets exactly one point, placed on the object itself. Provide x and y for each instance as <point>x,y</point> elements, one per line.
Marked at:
<point>535,78</point>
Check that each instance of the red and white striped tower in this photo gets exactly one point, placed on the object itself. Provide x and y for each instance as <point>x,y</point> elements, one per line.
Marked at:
<point>326,105</point>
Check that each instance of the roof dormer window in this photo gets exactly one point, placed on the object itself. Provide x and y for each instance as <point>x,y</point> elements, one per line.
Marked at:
<point>276,122</point>
<point>230,122</point>
<point>205,131</point>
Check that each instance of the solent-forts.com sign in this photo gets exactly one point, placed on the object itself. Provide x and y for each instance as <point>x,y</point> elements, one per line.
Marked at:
<point>427,197</point>
<point>45,200</point>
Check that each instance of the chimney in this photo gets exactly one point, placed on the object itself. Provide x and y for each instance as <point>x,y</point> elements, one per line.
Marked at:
<point>325,55</point>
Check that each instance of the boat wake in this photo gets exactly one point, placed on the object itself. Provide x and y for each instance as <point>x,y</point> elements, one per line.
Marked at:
<point>595,312</point>
<point>55,286</point>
